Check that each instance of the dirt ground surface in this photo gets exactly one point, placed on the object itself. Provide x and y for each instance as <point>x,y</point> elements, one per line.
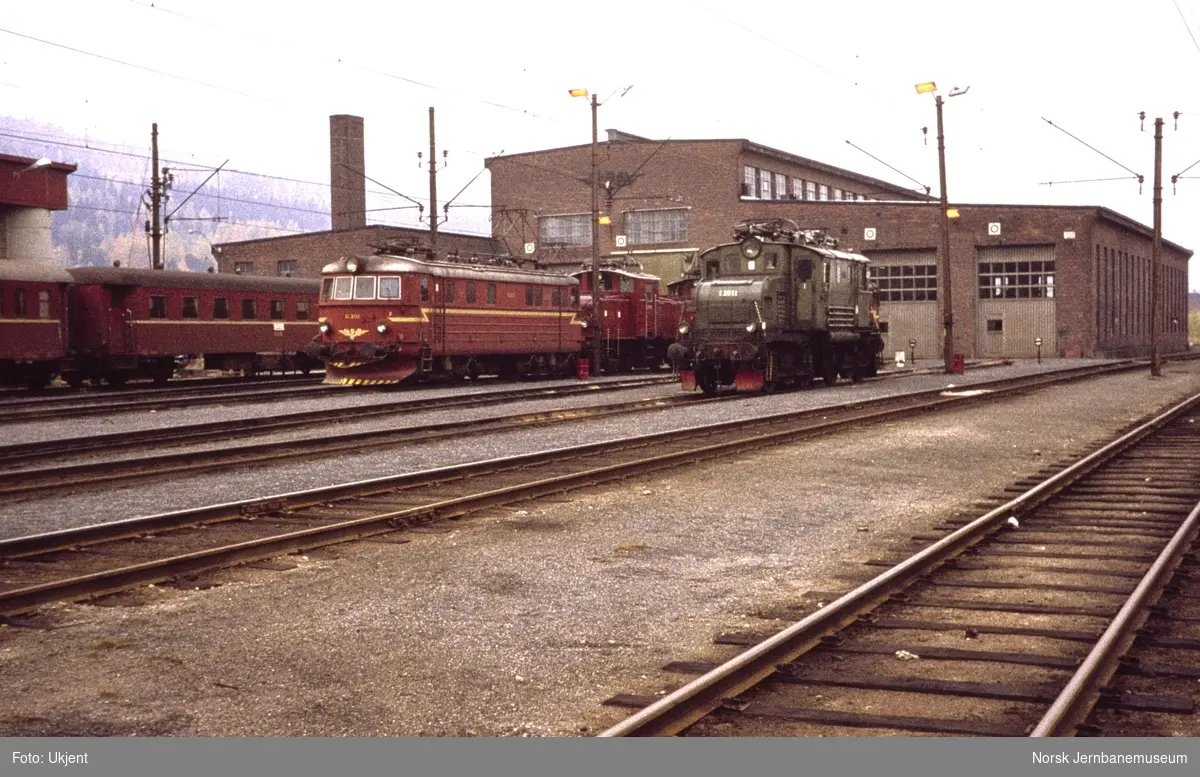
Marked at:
<point>522,621</point>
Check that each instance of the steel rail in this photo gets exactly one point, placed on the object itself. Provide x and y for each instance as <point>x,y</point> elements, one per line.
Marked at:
<point>1071,707</point>
<point>27,481</point>
<point>22,452</point>
<point>687,704</point>
<point>24,599</point>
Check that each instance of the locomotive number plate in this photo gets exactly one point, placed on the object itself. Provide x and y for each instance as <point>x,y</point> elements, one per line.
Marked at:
<point>727,292</point>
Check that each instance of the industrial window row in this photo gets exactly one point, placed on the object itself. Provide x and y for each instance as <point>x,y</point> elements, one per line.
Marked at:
<point>906,282</point>
<point>1016,280</point>
<point>191,308</point>
<point>766,185</point>
<point>19,307</point>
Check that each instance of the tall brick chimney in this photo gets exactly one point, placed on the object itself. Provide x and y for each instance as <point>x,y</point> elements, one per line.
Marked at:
<point>347,187</point>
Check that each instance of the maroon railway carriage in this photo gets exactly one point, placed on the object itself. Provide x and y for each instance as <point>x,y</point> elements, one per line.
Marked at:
<point>388,318</point>
<point>127,323</point>
<point>33,332</point>
<point>637,322</point>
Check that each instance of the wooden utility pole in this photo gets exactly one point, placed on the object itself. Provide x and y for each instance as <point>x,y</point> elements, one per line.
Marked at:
<point>947,296</point>
<point>1156,291</point>
<point>156,262</point>
<point>433,211</point>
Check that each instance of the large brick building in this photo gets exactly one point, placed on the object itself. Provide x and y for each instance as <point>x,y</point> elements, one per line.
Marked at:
<point>1077,278</point>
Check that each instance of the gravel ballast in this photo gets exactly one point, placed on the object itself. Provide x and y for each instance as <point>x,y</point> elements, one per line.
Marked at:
<point>521,621</point>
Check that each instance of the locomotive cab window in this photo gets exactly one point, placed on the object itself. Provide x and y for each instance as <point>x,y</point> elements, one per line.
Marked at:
<point>158,306</point>
<point>364,287</point>
<point>249,309</point>
<point>556,297</point>
<point>43,304</point>
<point>424,288</point>
<point>575,296</point>
<point>529,296</point>
<point>826,266</point>
<point>220,307</point>
<point>626,283</point>
<point>191,307</point>
<point>471,291</point>
<point>772,261</point>
<point>712,268</point>
<point>389,288</point>
<point>449,290</point>
<point>491,292</point>
<point>327,288</point>
<point>804,270</point>
<point>343,288</point>
<point>18,302</point>
<point>301,310</point>
<point>277,310</point>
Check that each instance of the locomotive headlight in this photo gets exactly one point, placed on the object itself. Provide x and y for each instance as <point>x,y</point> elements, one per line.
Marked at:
<point>751,327</point>
<point>751,248</point>
<point>583,324</point>
<point>381,327</point>
<point>325,328</point>
<point>683,329</point>
<point>352,264</point>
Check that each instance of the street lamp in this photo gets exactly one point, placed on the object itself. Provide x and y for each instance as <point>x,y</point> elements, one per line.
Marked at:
<point>947,301</point>
<point>595,237</point>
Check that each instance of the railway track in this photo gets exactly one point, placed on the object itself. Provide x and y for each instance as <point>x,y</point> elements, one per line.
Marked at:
<point>24,481</point>
<point>111,557</point>
<point>79,404</point>
<point>1072,608</point>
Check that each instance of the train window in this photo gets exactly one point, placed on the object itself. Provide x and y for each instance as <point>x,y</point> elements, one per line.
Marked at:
<point>712,269</point>
<point>470,291</point>
<point>249,308</point>
<point>537,296</point>
<point>327,288</point>
<point>343,288</point>
<point>529,295</point>
<point>389,288</point>
<point>804,269</point>
<point>277,309</point>
<point>449,290</point>
<point>826,266</point>
<point>158,306</point>
<point>626,283</point>
<point>556,297</point>
<point>43,304</point>
<point>220,307</point>
<point>191,307</point>
<point>574,296</point>
<point>18,302</point>
<point>301,310</point>
<point>364,287</point>
<point>424,288</point>
<point>491,294</point>
<point>772,260</point>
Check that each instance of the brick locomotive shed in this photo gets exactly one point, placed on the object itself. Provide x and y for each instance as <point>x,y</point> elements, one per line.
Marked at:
<point>1075,277</point>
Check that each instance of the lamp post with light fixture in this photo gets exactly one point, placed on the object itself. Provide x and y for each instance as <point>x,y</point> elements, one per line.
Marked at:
<point>947,294</point>
<point>595,229</point>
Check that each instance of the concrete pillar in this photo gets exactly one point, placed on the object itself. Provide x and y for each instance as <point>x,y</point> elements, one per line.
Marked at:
<point>25,234</point>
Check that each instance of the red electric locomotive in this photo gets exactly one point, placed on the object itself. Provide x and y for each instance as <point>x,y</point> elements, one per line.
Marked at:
<point>388,318</point>
<point>127,323</point>
<point>33,336</point>
<point>637,323</point>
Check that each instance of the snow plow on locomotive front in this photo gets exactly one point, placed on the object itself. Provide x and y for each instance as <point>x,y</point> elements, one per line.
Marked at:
<point>779,306</point>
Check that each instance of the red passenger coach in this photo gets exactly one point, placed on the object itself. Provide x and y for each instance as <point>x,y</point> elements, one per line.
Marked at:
<point>637,322</point>
<point>129,323</point>
<point>33,337</point>
<point>388,318</point>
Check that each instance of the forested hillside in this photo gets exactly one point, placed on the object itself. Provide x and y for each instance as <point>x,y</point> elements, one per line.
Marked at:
<point>106,220</point>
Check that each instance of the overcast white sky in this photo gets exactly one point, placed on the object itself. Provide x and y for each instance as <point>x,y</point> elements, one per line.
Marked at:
<point>255,81</point>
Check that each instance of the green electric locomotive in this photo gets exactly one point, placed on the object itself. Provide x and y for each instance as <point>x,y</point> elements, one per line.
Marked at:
<point>779,306</point>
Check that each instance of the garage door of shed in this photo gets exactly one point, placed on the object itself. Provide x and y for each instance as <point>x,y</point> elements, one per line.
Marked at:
<point>1015,303</point>
<point>908,306</point>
